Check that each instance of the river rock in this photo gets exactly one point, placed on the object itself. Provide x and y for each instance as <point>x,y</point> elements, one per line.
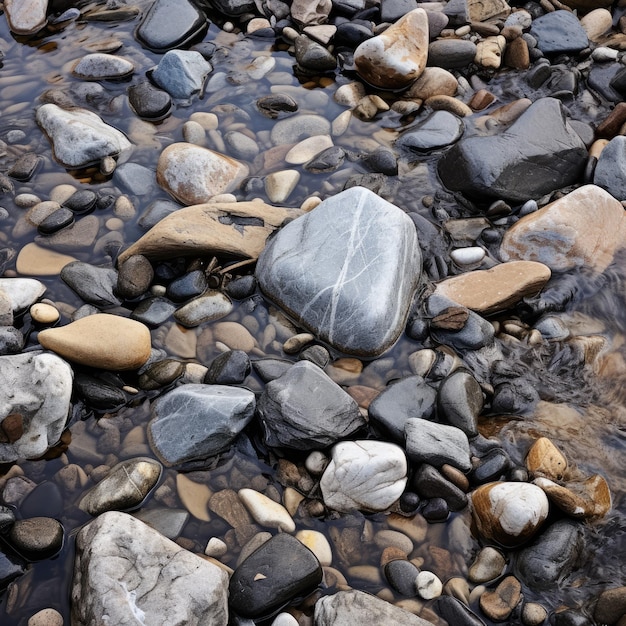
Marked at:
<point>319,275</point>
<point>496,289</point>
<point>588,499</point>
<point>548,155</point>
<point>366,475</point>
<point>584,228</point>
<point>35,395</point>
<point>450,53</point>
<point>125,487</point>
<point>487,566</point>
<point>610,172</point>
<point>439,129</point>
<point>304,409</point>
<point>94,285</point>
<point>436,444</point>
<point>460,401</point>
<point>79,137</point>
<point>237,229</point>
<point>127,572</point>
<point>294,129</point>
<point>267,512</point>
<point>181,73</point>
<point>611,606</point>
<point>197,421</point>
<point>193,174</point>
<point>509,513</point>
<point>546,460</point>
<point>101,340</point>
<point>170,24</point>
<point>149,102</point>
<point>395,58</point>
<point>406,398</point>
<point>281,569</point>
<point>559,32</point>
<point>345,608</point>
<point>101,66</point>
<point>37,537</point>
<point>209,307</point>
<point>499,603</point>
<point>26,16</point>
<point>21,293</point>
<point>552,556</point>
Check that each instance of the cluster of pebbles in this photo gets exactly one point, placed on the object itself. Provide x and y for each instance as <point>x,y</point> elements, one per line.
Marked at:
<point>306,310</point>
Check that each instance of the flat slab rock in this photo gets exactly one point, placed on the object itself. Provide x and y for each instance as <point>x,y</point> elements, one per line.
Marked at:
<point>585,228</point>
<point>539,153</point>
<point>35,397</point>
<point>496,289</point>
<point>127,573</point>
<point>238,229</point>
<point>346,271</point>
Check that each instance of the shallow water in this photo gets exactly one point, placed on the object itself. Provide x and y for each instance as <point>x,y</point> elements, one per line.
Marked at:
<point>583,410</point>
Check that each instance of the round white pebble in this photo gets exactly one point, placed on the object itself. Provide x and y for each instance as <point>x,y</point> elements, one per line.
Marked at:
<point>216,548</point>
<point>428,585</point>
<point>285,619</point>
<point>316,463</point>
<point>468,256</point>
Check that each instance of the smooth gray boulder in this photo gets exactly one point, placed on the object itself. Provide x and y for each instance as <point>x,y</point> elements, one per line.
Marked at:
<point>346,271</point>
<point>304,409</point>
<point>95,285</point>
<point>539,153</point>
<point>346,608</point>
<point>610,172</point>
<point>197,421</point>
<point>79,137</point>
<point>34,403</point>
<point>126,573</point>
<point>559,32</point>
<point>182,72</point>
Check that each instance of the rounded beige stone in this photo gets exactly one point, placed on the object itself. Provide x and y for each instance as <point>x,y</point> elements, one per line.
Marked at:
<point>545,459</point>
<point>43,313</point>
<point>104,341</point>
<point>46,617</point>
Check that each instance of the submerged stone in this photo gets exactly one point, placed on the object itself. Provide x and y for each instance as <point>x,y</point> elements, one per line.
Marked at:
<point>346,271</point>
<point>559,32</point>
<point>539,153</point>
<point>181,72</point>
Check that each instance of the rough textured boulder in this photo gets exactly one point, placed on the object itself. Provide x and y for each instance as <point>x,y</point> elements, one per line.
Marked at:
<point>346,271</point>
<point>548,154</point>
<point>126,573</point>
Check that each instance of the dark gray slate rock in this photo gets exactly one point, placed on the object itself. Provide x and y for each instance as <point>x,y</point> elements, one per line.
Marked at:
<point>93,284</point>
<point>98,394</point>
<point>559,32</point>
<point>460,401</point>
<point>451,53</point>
<point>347,608</point>
<point>170,24</point>
<point>229,368</point>
<point>271,369</point>
<point>153,311</point>
<point>134,277</point>
<point>311,55</point>
<point>436,444</point>
<point>149,102</point>
<point>455,612</point>
<point>409,397</point>
<point>539,153</point>
<point>198,421</point>
<point>393,10</point>
<point>610,172</point>
<point>429,483</point>
<point>304,409</point>
<point>346,271</point>
<point>280,570</point>
<point>439,129</point>
<point>56,221</point>
<point>553,555</point>
<point>401,576</point>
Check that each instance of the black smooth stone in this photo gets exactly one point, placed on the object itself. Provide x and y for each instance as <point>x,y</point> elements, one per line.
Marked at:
<point>95,285</point>
<point>401,576</point>
<point>82,201</point>
<point>153,311</point>
<point>99,395</point>
<point>492,466</point>
<point>105,201</point>
<point>316,354</point>
<point>460,401</point>
<point>409,502</point>
<point>242,287</point>
<point>351,34</point>
<point>61,218</point>
<point>170,24</point>
<point>134,277</point>
<point>326,161</point>
<point>229,368</point>
<point>455,612</point>
<point>190,285</point>
<point>277,106</point>
<point>393,10</point>
<point>311,55</point>
<point>383,161</point>
<point>149,102</point>
<point>435,510</point>
<point>571,617</point>
<point>25,167</point>
<point>514,397</point>
<point>288,570</point>
<point>270,369</point>
<point>45,500</point>
<point>430,483</point>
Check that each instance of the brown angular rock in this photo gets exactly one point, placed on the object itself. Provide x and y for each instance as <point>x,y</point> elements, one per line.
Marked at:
<point>545,459</point>
<point>499,603</point>
<point>589,499</point>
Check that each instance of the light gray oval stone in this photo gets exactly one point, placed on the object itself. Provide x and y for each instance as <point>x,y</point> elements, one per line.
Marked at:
<point>99,66</point>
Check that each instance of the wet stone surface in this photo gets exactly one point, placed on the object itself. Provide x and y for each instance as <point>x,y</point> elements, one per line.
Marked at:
<point>312,313</point>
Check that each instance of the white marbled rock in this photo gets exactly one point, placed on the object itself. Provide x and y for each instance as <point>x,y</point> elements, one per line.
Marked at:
<point>127,573</point>
<point>37,387</point>
<point>395,58</point>
<point>26,16</point>
<point>181,72</point>
<point>79,137</point>
<point>346,271</point>
<point>194,175</point>
<point>365,475</point>
<point>21,292</point>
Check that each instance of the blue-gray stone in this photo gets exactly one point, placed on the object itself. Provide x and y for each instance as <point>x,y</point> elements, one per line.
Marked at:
<point>304,409</point>
<point>538,154</point>
<point>181,73</point>
<point>439,129</point>
<point>436,444</point>
<point>346,271</point>
<point>95,285</point>
<point>610,172</point>
<point>559,32</point>
<point>460,401</point>
<point>198,421</point>
<point>135,178</point>
<point>170,24</point>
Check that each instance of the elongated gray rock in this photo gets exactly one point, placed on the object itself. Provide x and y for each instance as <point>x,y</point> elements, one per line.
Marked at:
<point>304,409</point>
<point>198,421</point>
<point>539,153</point>
<point>346,608</point>
<point>365,475</point>
<point>127,573</point>
<point>34,403</point>
<point>346,271</point>
<point>79,137</point>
